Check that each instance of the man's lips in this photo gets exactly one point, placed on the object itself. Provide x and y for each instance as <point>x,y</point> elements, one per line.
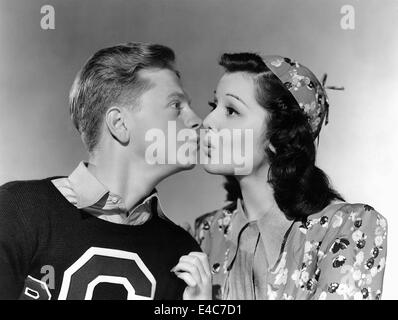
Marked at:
<point>194,141</point>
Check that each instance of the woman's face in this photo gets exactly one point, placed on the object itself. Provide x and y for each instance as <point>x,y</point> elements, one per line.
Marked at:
<point>235,128</point>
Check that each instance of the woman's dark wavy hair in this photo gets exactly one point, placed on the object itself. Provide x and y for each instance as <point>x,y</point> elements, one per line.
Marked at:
<point>300,187</point>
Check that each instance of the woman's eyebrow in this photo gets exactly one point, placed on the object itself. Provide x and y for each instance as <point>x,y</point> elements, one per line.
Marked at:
<point>237,98</point>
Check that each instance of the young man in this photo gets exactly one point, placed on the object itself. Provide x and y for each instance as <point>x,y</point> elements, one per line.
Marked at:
<point>100,233</point>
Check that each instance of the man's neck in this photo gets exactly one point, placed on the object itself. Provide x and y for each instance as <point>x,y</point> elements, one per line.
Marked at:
<point>132,180</point>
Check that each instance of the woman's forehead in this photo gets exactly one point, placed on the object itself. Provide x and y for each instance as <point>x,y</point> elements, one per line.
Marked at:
<point>237,83</point>
<point>241,85</point>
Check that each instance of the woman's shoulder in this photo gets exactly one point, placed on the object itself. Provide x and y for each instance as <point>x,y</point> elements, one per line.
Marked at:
<point>336,214</point>
<point>355,220</point>
<point>209,217</point>
<point>219,218</point>
<point>346,245</point>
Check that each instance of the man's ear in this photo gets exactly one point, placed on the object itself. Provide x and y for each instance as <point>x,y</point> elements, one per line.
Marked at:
<point>116,124</point>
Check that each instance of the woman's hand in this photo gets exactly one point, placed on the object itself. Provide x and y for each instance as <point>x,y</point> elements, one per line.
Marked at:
<point>195,271</point>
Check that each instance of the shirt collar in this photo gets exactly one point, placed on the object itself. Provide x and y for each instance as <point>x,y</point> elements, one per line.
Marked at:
<point>90,192</point>
<point>88,189</point>
<point>239,222</point>
<point>272,231</point>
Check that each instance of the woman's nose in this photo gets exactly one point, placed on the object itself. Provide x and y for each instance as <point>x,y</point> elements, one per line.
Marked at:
<point>207,122</point>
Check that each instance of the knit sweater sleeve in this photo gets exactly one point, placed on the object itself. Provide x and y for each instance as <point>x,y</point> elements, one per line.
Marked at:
<point>15,246</point>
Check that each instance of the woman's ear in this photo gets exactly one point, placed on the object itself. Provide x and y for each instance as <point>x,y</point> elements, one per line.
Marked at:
<point>271,147</point>
<point>116,124</point>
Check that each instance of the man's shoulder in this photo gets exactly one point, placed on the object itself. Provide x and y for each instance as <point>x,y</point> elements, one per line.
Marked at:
<point>175,232</point>
<point>25,188</point>
<point>22,207</point>
<point>21,185</point>
<point>25,196</point>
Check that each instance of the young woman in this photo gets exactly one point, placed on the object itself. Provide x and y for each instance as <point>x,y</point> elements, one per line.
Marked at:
<point>286,234</point>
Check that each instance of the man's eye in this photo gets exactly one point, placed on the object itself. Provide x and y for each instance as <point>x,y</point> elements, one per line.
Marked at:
<point>212,105</point>
<point>231,111</point>
<point>177,105</point>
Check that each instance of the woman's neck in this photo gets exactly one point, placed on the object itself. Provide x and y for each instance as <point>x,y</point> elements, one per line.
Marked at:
<point>260,205</point>
<point>258,196</point>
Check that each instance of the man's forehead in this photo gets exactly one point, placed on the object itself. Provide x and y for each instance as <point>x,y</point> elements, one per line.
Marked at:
<point>163,80</point>
<point>160,76</point>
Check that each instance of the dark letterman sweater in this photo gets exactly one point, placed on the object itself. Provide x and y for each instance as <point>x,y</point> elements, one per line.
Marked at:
<point>51,249</point>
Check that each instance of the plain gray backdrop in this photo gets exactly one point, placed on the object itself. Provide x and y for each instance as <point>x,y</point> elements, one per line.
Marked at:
<point>358,149</point>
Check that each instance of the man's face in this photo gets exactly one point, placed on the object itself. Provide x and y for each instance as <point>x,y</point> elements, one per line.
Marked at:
<point>159,122</point>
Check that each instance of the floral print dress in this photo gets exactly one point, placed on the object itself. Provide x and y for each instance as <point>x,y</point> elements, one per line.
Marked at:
<point>338,253</point>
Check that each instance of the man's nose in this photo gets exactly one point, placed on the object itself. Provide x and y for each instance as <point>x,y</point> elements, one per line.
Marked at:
<point>193,121</point>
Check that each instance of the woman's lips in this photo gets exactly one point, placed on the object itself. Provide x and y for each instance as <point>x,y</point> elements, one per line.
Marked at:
<point>207,141</point>
<point>207,148</point>
<point>206,144</point>
<point>207,152</point>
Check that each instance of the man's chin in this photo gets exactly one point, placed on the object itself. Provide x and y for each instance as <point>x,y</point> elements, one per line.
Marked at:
<point>180,167</point>
<point>188,166</point>
<point>218,169</point>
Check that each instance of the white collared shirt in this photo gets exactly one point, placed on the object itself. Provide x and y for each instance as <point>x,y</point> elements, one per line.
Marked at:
<point>86,192</point>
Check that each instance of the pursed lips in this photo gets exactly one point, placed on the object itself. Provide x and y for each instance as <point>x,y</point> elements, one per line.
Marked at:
<point>207,146</point>
<point>194,141</point>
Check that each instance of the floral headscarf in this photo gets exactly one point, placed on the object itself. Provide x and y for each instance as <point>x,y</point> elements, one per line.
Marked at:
<point>308,91</point>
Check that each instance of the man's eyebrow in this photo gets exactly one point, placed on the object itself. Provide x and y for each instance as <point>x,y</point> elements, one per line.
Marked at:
<point>180,95</point>
<point>237,98</point>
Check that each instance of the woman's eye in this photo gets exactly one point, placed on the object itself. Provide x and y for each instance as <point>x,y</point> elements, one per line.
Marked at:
<point>231,111</point>
<point>212,105</point>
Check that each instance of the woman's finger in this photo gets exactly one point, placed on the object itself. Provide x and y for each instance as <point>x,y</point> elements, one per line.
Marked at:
<point>183,266</point>
<point>195,261</point>
<point>204,260</point>
<point>188,279</point>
